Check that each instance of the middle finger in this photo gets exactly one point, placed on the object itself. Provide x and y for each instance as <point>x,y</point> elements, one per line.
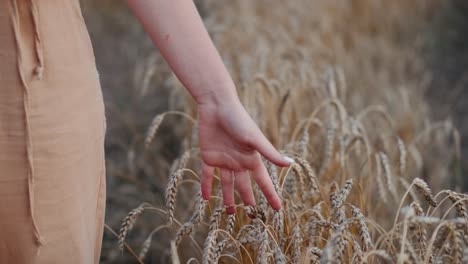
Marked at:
<point>227,187</point>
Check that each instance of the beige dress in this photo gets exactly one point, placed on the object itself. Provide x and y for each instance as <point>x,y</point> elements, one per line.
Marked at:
<point>52,127</point>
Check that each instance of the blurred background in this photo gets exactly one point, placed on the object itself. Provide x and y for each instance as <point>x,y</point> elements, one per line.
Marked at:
<point>419,48</point>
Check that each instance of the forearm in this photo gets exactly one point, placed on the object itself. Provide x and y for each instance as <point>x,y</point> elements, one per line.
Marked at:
<point>177,29</point>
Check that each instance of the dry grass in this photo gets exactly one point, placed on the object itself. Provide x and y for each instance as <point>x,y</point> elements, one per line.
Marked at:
<point>331,84</point>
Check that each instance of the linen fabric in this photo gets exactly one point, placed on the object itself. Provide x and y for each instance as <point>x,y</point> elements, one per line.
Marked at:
<point>52,128</point>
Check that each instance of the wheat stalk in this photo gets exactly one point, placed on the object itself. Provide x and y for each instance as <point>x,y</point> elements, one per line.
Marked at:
<point>297,244</point>
<point>310,172</point>
<point>278,224</point>
<point>341,196</point>
<point>278,256</point>
<point>388,175</point>
<point>421,232</point>
<point>145,246</point>
<point>299,173</point>
<point>363,230</point>
<point>458,245</point>
<point>255,213</point>
<point>379,177</point>
<point>424,189</point>
<point>403,155</point>
<point>128,223</point>
<point>329,146</point>
<point>171,192</point>
<point>229,230</point>
<point>211,239</point>
<point>263,250</point>
<point>304,141</point>
<point>247,234</point>
<point>156,123</point>
<point>188,227</point>
<point>153,128</point>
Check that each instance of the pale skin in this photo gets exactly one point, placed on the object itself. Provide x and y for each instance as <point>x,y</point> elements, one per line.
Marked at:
<point>228,137</point>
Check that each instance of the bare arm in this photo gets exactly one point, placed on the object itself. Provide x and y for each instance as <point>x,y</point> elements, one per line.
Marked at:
<point>228,138</point>
<point>178,31</point>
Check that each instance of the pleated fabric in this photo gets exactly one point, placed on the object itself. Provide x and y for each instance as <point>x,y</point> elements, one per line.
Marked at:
<point>52,128</point>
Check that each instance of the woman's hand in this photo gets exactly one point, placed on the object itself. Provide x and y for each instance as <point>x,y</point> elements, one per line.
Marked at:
<point>231,141</point>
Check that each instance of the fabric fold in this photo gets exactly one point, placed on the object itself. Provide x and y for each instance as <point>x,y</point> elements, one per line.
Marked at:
<point>29,144</point>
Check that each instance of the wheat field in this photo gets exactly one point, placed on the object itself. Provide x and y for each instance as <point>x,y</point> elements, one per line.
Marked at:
<point>340,87</point>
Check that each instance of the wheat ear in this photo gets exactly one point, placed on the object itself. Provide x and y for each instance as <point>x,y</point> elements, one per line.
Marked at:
<point>171,192</point>
<point>297,243</point>
<point>210,242</point>
<point>229,229</point>
<point>363,230</point>
<point>310,172</point>
<point>278,255</point>
<point>388,175</point>
<point>128,223</point>
<point>153,128</point>
<point>424,189</point>
<point>187,228</point>
<point>263,250</point>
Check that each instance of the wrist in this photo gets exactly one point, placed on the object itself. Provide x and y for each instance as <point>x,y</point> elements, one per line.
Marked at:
<point>223,94</point>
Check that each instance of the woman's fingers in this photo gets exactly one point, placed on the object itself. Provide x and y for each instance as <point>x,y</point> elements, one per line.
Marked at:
<point>264,146</point>
<point>227,187</point>
<point>244,187</point>
<point>266,185</point>
<point>206,180</point>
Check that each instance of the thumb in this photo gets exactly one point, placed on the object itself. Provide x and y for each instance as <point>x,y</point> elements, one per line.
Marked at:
<point>264,146</point>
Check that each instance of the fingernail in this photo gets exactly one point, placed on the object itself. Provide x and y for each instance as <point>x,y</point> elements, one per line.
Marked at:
<point>230,209</point>
<point>206,197</point>
<point>290,160</point>
<point>251,216</point>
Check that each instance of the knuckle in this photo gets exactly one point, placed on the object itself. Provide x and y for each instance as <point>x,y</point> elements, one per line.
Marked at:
<point>247,140</point>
